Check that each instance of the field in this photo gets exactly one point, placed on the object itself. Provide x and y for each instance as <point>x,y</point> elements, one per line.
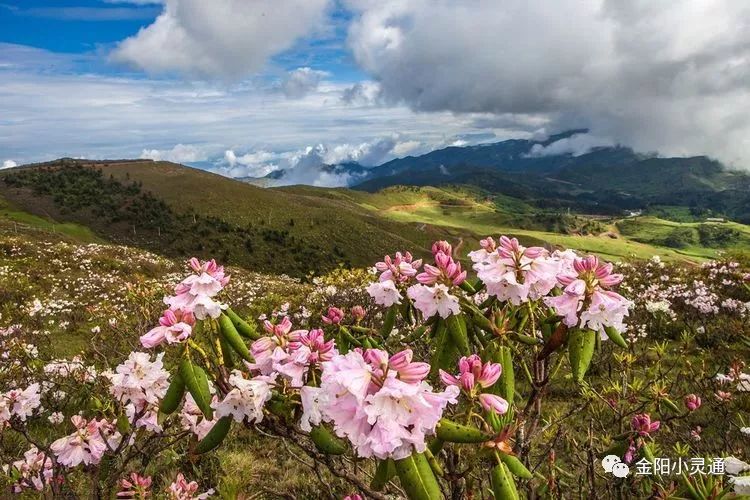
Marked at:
<point>65,298</point>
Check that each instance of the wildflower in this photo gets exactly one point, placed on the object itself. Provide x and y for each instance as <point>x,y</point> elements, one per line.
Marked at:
<point>399,269</point>
<point>195,293</point>
<point>692,402</point>
<point>643,425</point>
<point>192,418</point>
<point>735,466</point>
<point>174,327</point>
<point>381,414</point>
<point>384,293</point>
<point>334,316</point>
<point>139,380</point>
<point>246,399</point>
<point>87,444</point>
<point>181,489</point>
<point>474,376</point>
<point>445,270</point>
<point>586,300</point>
<point>358,312</point>
<point>741,485</point>
<point>513,272</point>
<point>34,471</point>
<point>436,299</point>
<point>20,403</point>
<point>56,418</point>
<point>135,486</point>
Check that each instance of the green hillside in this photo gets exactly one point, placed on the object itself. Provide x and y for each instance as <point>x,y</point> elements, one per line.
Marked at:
<point>181,211</point>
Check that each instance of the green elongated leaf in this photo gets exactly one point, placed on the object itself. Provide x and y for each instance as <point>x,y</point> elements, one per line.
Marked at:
<point>671,405</point>
<point>458,334</point>
<point>507,380</point>
<point>389,321</point>
<point>226,352</point>
<point>385,471</point>
<point>230,334</point>
<point>453,432</point>
<point>123,423</point>
<point>417,479</point>
<point>581,344</point>
<point>435,445</point>
<point>174,395</point>
<point>327,442</point>
<point>196,383</point>
<point>444,354</point>
<point>615,337</point>
<point>434,464</point>
<point>467,287</point>
<point>515,466</point>
<point>244,328</point>
<point>648,454</point>
<point>215,436</point>
<point>503,487</point>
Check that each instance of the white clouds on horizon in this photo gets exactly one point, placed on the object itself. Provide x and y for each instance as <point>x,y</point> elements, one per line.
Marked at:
<point>9,164</point>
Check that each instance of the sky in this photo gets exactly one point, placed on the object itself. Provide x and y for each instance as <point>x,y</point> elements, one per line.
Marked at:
<point>246,87</point>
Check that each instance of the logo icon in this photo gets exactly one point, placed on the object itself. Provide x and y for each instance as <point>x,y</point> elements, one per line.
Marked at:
<point>615,466</point>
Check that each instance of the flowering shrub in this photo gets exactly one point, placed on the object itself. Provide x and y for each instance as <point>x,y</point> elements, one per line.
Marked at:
<point>424,382</point>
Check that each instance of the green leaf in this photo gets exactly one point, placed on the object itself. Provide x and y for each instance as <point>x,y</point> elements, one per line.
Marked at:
<point>197,384</point>
<point>174,395</point>
<point>581,345</point>
<point>453,432</point>
<point>215,436</point>
<point>245,329</point>
<point>230,334</point>
<point>417,479</point>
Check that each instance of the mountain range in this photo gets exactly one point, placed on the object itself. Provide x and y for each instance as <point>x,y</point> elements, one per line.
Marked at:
<point>601,180</point>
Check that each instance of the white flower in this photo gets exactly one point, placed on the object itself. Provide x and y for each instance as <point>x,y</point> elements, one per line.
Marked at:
<point>384,293</point>
<point>139,380</point>
<point>735,466</point>
<point>745,431</point>
<point>246,399</point>
<point>741,485</point>
<point>431,300</point>
<point>56,418</point>
<point>312,400</point>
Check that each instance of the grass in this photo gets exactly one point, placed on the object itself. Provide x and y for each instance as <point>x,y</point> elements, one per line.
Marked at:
<point>74,231</point>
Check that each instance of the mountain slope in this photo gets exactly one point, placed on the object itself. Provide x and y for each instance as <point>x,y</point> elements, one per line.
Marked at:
<point>181,211</point>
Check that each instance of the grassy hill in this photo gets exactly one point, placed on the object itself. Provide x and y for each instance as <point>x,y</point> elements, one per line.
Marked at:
<point>181,211</point>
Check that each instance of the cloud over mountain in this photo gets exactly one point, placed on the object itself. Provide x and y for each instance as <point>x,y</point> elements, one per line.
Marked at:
<point>667,76</point>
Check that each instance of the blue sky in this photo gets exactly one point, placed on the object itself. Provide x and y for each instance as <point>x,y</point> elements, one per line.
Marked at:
<point>247,87</point>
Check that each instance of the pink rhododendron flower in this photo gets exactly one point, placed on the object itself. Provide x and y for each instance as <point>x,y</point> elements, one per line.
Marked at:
<point>174,327</point>
<point>333,316</point>
<point>587,285</point>
<point>513,272</point>
<point>246,399</point>
<point>445,270</point>
<point>399,269</point>
<point>181,489</point>
<point>192,418</point>
<point>358,312</point>
<point>87,444</point>
<point>195,293</point>
<point>692,402</point>
<point>436,299</point>
<point>473,377</point>
<point>379,412</point>
<point>35,471</point>
<point>19,403</point>
<point>384,293</point>
<point>643,425</point>
<point>135,486</point>
<point>139,380</point>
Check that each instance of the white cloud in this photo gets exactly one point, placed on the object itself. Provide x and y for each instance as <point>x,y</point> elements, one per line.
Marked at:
<point>666,76</point>
<point>180,153</point>
<point>220,38</point>
<point>575,145</point>
<point>9,164</point>
<point>302,81</point>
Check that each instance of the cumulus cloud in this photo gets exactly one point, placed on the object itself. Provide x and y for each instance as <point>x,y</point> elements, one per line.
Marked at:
<point>9,164</point>
<point>220,38</point>
<point>362,94</point>
<point>666,76</point>
<point>575,145</point>
<point>180,153</point>
<point>302,81</point>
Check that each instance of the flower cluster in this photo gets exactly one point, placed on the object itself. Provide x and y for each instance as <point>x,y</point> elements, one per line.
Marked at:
<point>289,353</point>
<point>432,295</point>
<point>473,377</point>
<point>246,398</point>
<point>586,301</point>
<point>381,403</point>
<point>19,403</point>
<point>87,444</point>
<point>34,471</point>
<point>393,271</point>
<point>513,272</point>
<point>195,294</point>
<point>174,327</point>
